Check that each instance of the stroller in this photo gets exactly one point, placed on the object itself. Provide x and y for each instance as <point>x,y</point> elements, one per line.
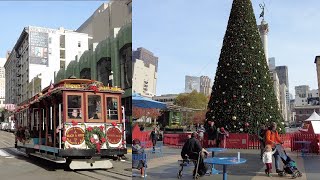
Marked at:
<point>290,166</point>
<point>189,162</point>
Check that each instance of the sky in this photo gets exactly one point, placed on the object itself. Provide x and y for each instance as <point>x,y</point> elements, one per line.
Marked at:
<point>187,37</point>
<point>15,15</point>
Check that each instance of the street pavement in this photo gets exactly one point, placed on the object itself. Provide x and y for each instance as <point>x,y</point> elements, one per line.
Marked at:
<point>14,165</point>
<point>166,167</point>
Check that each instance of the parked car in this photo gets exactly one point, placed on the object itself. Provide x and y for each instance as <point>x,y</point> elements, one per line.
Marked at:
<point>4,126</point>
<point>11,127</point>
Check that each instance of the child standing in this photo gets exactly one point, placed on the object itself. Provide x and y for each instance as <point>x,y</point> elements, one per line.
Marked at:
<point>267,159</point>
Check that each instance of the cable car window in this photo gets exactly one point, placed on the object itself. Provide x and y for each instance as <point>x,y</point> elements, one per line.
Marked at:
<point>112,108</point>
<point>94,107</point>
<point>74,107</point>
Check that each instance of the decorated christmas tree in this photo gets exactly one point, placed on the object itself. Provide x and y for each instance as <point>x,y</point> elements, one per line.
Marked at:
<point>243,95</point>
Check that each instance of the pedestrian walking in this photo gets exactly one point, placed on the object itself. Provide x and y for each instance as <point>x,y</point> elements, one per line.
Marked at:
<point>222,137</point>
<point>154,138</point>
<point>212,135</point>
<point>261,135</point>
<point>267,159</point>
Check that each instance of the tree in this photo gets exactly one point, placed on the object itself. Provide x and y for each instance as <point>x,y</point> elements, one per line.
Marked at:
<point>192,100</point>
<point>199,117</point>
<point>145,112</point>
<point>243,95</point>
<point>138,112</point>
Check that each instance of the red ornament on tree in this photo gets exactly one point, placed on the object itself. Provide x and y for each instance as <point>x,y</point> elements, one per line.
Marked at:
<point>246,124</point>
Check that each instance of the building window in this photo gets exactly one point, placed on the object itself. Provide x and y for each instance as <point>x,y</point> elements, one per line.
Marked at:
<point>62,64</point>
<point>126,66</point>
<point>50,39</point>
<point>85,73</point>
<point>104,71</point>
<point>79,43</point>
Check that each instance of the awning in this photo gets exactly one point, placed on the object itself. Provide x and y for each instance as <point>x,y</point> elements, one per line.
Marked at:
<point>142,102</point>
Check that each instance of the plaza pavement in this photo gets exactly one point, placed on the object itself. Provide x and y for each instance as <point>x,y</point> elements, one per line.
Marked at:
<point>166,166</point>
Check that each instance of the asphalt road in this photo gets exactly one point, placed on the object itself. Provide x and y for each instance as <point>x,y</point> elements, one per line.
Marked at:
<point>14,165</point>
<point>166,166</point>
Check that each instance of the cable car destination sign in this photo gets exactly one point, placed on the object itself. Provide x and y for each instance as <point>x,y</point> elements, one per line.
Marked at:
<point>75,136</point>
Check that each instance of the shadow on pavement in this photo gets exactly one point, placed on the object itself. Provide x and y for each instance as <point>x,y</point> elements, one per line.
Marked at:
<point>42,163</point>
<point>249,169</point>
<point>311,164</point>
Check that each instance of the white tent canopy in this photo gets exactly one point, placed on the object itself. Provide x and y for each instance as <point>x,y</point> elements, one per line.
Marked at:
<point>314,117</point>
<point>315,121</point>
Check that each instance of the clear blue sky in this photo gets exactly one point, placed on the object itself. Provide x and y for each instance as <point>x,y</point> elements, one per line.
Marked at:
<point>187,37</point>
<point>16,15</point>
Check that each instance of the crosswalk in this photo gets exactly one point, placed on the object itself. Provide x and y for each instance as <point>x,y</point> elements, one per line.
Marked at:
<point>6,145</point>
<point>5,154</point>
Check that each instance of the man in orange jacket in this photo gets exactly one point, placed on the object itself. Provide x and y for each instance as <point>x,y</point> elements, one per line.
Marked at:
<point>272,138</point>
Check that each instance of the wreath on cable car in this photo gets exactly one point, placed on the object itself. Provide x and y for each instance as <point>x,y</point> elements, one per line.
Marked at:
<point>95,138</point>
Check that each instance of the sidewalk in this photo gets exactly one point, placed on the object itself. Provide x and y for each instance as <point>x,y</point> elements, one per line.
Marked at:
<point>166,167</point>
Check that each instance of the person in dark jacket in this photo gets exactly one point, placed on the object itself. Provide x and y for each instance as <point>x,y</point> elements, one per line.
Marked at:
<point>212,134</point>
<point>191,150</point>
<point>154,138</point>
<point>262,134</point>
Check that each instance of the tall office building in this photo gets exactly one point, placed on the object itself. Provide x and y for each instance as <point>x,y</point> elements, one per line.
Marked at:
<point>272,63</point>
<point>2,82</point>
<point>145,72</point>
<point>37,54</point>
<point>282,72</point>
<point>106,19</point>
<point>304,96</point>
<point>283,102</point>
<point>192,83</point>
<point>205,85</point>
<point>200,84</point>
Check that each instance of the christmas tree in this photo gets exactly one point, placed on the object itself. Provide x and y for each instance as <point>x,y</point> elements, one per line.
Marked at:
<point>242,95</point>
